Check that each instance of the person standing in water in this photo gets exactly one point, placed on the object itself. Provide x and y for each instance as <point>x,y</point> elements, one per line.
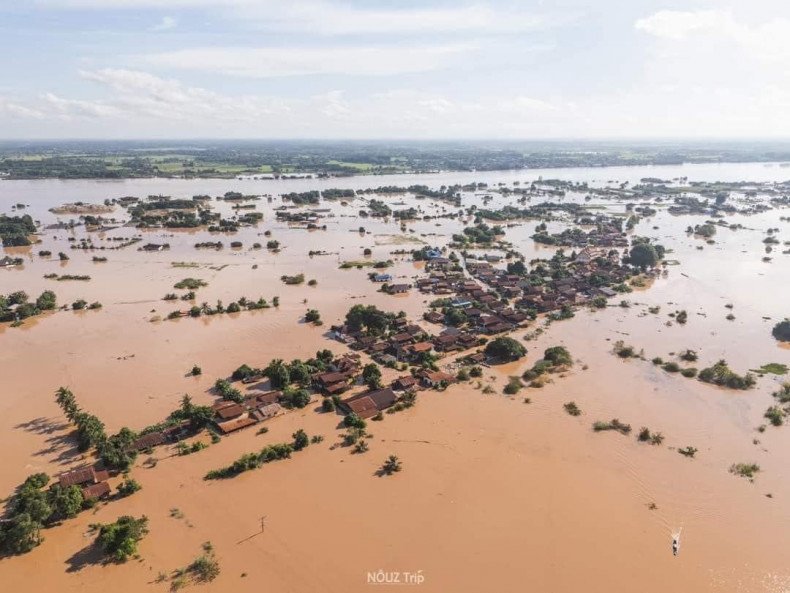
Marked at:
<point>675,546</point>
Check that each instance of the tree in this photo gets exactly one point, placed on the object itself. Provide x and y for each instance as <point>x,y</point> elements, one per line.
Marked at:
<point>505,349</point>
<point>391,465</point>
<point>300,372</point>
<point>295,398</point>
<point>21,535</point>
<point>301,440</point>
<point>369,318</point>
<point>325,356</point>
<point>312,316</point>
<point>781,331</point>
<point>354,421</point>
<point>128,487</point>
<point>643,255</point>
<point>517,267</point>
<point>46,301</point>
<point>119,540</point>
<point>243,372</point>
<point>371,375</point>
<point>116,451</point>
<point>278,374</point>
<point>558,356</point>
<point>455,317</point>
<point>65,502</point>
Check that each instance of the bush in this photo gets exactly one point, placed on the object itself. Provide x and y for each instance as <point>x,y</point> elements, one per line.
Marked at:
<point>689,356</point>
<point>558,356</point>
<point>190,283</point>
<point>745,470</point>
<point>572,409</point>
<point>244,372</point>
<point>688,451</point>
<point>781,331</point>
<point>613,424</point>
<point>513,386</point>
<point>624,351</point>
<point>354,421</point>
<point>720,374</point>
<point>119,540</point>
<point>776,415</point>
<point>391,466</point>
<point>128,487</point>
<point>196,371</point>
<point>671,367</point>
<point>301,440</point>
<point>690,372</point>
<point>505,349</point>
<point>312,316</point>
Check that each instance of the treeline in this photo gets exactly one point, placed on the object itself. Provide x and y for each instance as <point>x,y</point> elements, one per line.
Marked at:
<point>16,306</point>
<point>14,230</point>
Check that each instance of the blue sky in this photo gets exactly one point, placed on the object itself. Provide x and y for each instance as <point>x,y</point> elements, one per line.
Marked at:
<point>374,69</point>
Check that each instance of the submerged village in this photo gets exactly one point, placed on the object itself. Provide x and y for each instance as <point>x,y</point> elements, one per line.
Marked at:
<point>406,293</point>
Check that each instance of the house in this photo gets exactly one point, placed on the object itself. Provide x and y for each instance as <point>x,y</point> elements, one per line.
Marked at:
<point>178,432</point>
<point>96,491</point>
<point>382,278</point>
<point>235,424</point>
<point>149,441</point>
<point>607,292</point>
<point>397,288</point>
<point>332,382</point>
<point>83,475</point>
<point>228,410</point>
<point>387,359</point>
<point>434,317</point>
<point>436,378</point>
<point>404,383</point>
<point>371,403</point>
<point>433,253</point>
<point>414,351</point>
<point>476,358</point>
<point>154,247</point>
<point>401,338</point>
<point>445,343</point>
<point>7,262</point>
<point>265,412</point>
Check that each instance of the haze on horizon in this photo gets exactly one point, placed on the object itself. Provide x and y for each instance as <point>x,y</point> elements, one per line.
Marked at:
<point>370,70</point>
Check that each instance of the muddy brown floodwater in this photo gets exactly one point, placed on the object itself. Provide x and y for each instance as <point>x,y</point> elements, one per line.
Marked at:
<point>495,494</point>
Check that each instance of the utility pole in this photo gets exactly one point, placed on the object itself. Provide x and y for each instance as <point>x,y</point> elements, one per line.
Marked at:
<point>263,523</point>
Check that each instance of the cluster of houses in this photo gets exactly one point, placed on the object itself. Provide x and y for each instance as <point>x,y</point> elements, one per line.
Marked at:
<point>585,280</point>
<point>91,481</point>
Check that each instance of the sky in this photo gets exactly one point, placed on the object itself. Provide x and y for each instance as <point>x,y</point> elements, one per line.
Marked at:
<point>429,69</point>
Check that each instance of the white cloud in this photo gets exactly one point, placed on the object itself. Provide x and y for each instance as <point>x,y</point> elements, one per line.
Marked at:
<point>146,95</point>
<point>293,61</point>
<point>167,23</point>
<point>69,108</point>
<point>769,40</point>
<point>15,109</point>
<point>675,24</point>
<point>333,18</point>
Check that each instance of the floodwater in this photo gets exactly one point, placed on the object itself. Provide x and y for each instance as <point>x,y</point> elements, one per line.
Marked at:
<point>495,494</point>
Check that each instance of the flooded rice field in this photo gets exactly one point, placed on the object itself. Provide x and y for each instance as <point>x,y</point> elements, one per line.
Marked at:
<point>497,492</point>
